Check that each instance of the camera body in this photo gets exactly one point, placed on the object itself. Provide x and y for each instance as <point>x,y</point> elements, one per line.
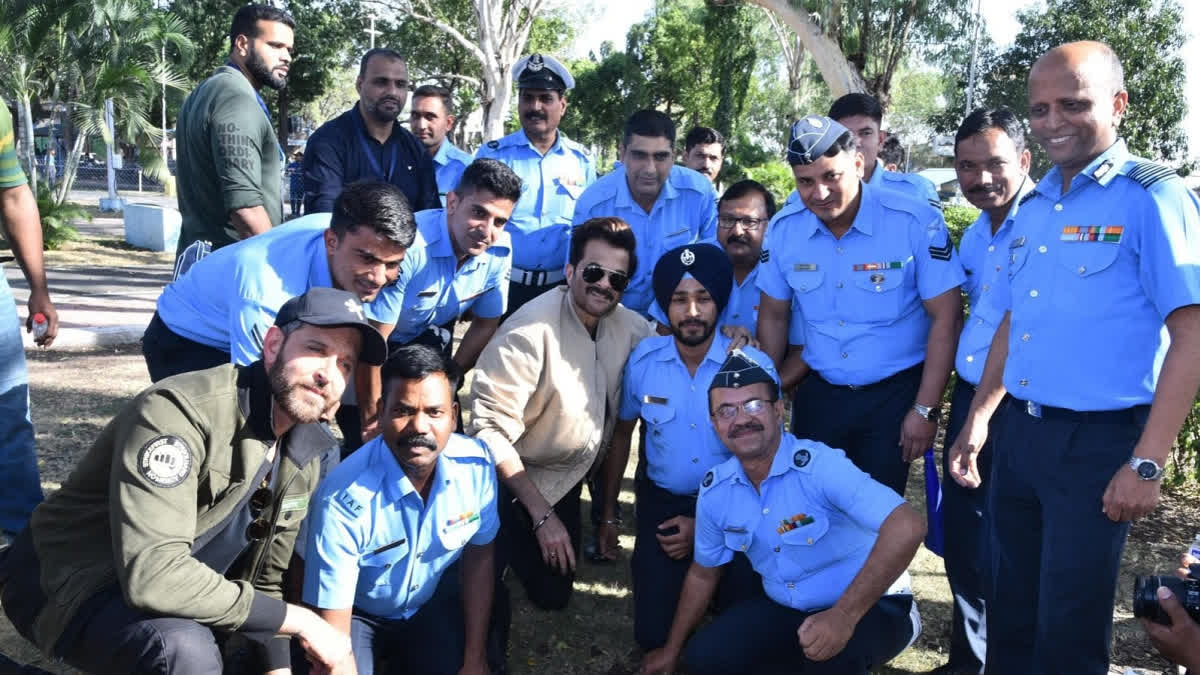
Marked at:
<point>1145,602</point>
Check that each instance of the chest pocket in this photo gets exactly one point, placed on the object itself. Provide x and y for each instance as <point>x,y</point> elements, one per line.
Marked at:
<point>657,416</point>
<point>738,541</point>
<point>380,570</point>
<point>809,548</point>
<point>803,284</point>
<point>426,300</point>
<point>1086,258</point>
<point>879,295</point>
<point>1018,253</point>
<point>455,536</point>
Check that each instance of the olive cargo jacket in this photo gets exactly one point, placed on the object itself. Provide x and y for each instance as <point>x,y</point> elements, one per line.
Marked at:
<point>170,468</point>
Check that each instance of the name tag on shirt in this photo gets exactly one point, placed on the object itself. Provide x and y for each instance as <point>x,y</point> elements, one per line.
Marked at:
<point>678,232</point>
<point>804,267</point>
<point>427,294</point>
<point>294,503</point>
<point>654,399</point>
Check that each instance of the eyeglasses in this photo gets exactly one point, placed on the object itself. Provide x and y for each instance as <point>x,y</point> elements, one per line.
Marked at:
<point>749,224</point>
<point>753,407</point>
<point>593,273</point>
<point>260,527</point>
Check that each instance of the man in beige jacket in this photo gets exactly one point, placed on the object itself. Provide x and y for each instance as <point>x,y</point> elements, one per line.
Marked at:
<point>544,400</point>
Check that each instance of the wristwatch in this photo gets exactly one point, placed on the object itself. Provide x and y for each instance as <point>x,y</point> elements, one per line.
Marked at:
<point>1146,469</point>
<point>930,414</point>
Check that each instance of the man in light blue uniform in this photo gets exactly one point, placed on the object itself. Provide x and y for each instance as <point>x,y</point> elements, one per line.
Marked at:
<point>554,171</point>
<point>460,262</point>
<point>830,543</point>
<point>665,384</point>
<point>1097,351</point>
<point>873,276</point>
<point>992,163</point>
<point>396,524</point>
<point>742,216</point>
<point>431,119</point>
<point>220,309</point>
<point>863,116</point>
<point>666,205</point>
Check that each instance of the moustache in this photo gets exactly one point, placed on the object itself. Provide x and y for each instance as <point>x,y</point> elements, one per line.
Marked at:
<point>739,239</point>
<point>416,441</point>
<point>749,427</point>
<point>600,291</point>
<point>692,322</point>
<point>984,189</point>
<point>535,116</point>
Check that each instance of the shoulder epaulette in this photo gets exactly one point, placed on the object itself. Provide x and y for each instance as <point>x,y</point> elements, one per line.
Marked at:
<point>493,144</point>
<point>1147,173</point>
<point>466,447</point>
<point>1028,195</point>
<point>716,475</point>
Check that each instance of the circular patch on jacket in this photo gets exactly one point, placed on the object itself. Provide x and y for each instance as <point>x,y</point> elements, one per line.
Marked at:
<point>165,461</point>
<point>708,479</point>
<point>801,458</point>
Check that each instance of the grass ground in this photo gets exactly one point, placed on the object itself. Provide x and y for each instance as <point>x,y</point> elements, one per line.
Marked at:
<point>74,395</point>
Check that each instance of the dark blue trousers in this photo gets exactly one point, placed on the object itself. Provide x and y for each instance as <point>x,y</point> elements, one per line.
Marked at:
<point>963,519</point>
<point>758,637</point>
<point>1054,554</point>
<point>863,421</point>
<point>167,353</point>
<point>658,578</point>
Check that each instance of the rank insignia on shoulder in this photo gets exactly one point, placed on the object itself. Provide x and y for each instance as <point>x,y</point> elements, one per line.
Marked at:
<point>801,458</point>
<point>764,256</point>
<point>165,461</point>
<point>1104,233</point>
<point>708,479</point>
<point>659,400</point>
<point>1028,195</point>
<point>1104,167</point>
<point>943,252</point>
<point>804,267</point>
<point>1147,173</point>
<point>350,503</point>
<point>493,144</point>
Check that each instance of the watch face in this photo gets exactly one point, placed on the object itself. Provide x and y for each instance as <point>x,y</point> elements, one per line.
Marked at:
<point>1147,470</point>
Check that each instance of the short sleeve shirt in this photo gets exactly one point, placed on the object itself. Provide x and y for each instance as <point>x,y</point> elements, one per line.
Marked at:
<point>807,529</point>
<point>1093,274</point>
<point>448,166</point>
<point>229,299</point>
<point>374,544</point>
<point>11,174</point>
<point>432,289</point>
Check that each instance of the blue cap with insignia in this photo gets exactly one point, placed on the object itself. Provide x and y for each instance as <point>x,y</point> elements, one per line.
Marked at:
<point>812,137</point>
<point>321,306</point>
<point>741,370</point>
<point>705,263</point>
<point>538,71</point>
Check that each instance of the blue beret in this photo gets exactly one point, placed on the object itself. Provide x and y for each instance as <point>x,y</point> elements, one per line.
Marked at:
<point>538,71</point>
<point>812,137</point>
<point>707,264</point>
<point>741,370</point>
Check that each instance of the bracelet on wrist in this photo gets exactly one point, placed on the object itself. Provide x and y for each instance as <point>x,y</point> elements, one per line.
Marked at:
<point>611,521</point>
<point>546,517</point>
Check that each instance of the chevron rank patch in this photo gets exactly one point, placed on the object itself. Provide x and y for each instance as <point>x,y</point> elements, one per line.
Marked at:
<point>942,252</point>
<point>764,256</point>
<point>1148,173</point>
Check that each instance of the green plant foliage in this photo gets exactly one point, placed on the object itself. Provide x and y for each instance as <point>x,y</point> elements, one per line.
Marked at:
<point>958,219</point>
<point>775,176</point>
<point>57,218</point>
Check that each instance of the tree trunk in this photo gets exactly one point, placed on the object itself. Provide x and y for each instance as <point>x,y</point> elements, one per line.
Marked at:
<point>839,74</point>
<point>70,169</point>
<point>495,111</point>
<point>25,112</point>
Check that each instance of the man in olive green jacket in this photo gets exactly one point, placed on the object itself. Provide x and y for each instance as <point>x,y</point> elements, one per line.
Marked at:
<point>181,519</point>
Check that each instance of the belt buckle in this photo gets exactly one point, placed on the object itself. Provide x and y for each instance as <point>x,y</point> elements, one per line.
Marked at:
<point>1033,409</point>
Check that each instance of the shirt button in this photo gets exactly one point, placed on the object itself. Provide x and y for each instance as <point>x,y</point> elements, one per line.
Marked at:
<point>839,249</point>
<point>414,587</point>
<point>970,358</point>
<point>743,547</point>
<point>1024,383</point>
<point>839,284</point>
<point>695,460</point>
<point>1058,207</point>
<point>1025,337</point>
<point>777,549</point>
<point>693,387</point>
<point>878,289</point>
<point>693,426</point>
<point>841,322</point>
<point>1033,293</point>
<point>803,287</point>
<point>766,510</point>
<point>1082,269</point>
<point>387,565</point>
<point>809,541</point>
<point>986,288</point>
<point>979,322</point>
<point>991,248</point>
<point>1042,248</point>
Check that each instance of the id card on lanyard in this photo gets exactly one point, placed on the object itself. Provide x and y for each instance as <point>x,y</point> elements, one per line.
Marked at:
<point>369,152</point>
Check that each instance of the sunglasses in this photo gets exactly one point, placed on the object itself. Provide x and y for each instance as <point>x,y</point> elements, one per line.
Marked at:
<point>593,273</point>
<point>260,527</point>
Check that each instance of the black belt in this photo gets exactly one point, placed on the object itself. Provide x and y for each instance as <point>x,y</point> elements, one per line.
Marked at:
<point>907,372</point>
<point>1135,415</point>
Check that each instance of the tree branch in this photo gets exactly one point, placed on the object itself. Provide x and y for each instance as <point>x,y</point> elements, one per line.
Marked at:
<point>437,23</point>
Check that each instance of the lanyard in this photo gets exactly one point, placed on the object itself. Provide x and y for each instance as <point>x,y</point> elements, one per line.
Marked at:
<point>369,152</point>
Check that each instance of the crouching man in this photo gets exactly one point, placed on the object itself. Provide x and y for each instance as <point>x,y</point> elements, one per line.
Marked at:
<point>400,546</point>
<point>176,527</point>
<point>831,544</point>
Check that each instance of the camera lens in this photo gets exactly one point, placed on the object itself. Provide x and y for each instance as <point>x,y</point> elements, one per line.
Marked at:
<point>1145,602</point>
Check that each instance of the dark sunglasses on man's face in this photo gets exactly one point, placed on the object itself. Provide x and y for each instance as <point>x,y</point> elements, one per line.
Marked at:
<point>593,273</point>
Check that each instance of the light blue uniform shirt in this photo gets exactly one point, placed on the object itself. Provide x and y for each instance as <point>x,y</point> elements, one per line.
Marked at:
<point>860,296</point>
<point>907,183</point>
<point>229,299</point>
<point>550,184</point>
<point>448,165</point>
<point>684,213</point>
<point>984,258</point>
<point>832,510</point>
<point>681,444</point>
<point>374,544</point>
<point>742,309</point>
<point>1086,330</point>
<point>432,290</point>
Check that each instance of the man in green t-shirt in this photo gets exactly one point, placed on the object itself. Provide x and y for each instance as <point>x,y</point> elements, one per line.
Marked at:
<point>230,162</point>
<point>20,488</point>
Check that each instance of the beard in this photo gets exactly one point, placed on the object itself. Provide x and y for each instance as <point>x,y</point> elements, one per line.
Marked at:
<point>258,68</point>
<point>693,340</point>
<point>293,398</point>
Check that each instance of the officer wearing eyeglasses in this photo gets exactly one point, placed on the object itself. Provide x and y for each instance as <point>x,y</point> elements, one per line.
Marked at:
<point>665,204</point>
<point>873,278</point>
<point>830,543</point>
<point>177,525</point>
<point>742,216</point>
<point>665,384</point>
